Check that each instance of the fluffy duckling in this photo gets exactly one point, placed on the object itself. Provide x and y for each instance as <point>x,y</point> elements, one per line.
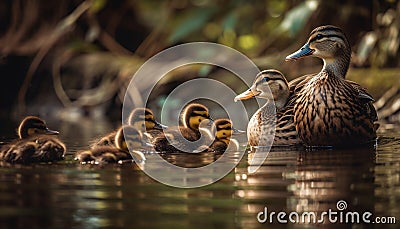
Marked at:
<point>140,118</point>
<point>272,86</point>
<point>126,138</point>
<point>34,144</point>
<point>329,110</point>
<point>191,117</point>
<point>144,120</point>
<point>223,132</point>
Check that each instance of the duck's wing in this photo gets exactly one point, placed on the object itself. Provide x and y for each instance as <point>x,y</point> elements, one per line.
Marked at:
<point>367,100</point>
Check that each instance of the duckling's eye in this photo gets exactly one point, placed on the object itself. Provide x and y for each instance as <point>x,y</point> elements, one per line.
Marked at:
<point>265,79</point>
<point>199,119</point>
<point>319,36</point>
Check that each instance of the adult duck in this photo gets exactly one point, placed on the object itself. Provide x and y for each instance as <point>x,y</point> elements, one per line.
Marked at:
<point>273,122</point>
<point>329,110</point>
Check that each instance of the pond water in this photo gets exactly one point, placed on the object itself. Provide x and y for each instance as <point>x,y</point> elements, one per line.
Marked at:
<point>69,195</point>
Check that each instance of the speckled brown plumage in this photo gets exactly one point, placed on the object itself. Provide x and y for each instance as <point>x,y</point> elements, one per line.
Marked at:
<point>272,124</point>
<point>329,110</point>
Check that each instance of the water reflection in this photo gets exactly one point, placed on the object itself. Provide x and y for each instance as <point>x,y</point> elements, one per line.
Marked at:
<point>314,182</point>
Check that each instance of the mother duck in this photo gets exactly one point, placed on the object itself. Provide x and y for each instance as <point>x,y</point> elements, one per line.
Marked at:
<point>329,110</point>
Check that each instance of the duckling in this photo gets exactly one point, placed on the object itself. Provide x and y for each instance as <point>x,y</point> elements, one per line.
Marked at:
<point>143,119</point>
<point>272,86</point>
<point>223,133</point>
<point>34,144</point>
<point>140,118</point>
<point>126,138</point>
<point>329,110</point>
<point>191,117</point>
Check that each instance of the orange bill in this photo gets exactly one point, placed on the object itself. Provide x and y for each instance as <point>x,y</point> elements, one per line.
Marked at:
<point>246,95</point>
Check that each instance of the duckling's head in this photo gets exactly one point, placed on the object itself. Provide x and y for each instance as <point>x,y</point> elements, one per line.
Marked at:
<point>194,114</point>
<point>328,43</point>
<point>128,137</point>
<point>224,130</point>
<point>269,84</point>
<point>33,125</point>
<point>143,119</point>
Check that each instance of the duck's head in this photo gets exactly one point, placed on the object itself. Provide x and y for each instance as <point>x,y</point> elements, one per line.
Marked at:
<point>224,130</point>
<point>194,114</point>
<point>328,43</point>
<point>143,119</point>
<point>128,137</point>
<point>33,125</point>
<point>269,84</point>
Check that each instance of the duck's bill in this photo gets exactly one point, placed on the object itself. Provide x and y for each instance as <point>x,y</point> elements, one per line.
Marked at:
<point>302,52</point>
<point>210,122</point>
<point>159,126</point>
<point>246,95</point>
<point>238,132</point>
<point>51,132</point>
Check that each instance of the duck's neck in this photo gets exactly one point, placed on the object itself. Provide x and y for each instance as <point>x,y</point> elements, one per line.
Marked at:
<point>280,103</point>
<point>224,140</point>
<point>337,67</point>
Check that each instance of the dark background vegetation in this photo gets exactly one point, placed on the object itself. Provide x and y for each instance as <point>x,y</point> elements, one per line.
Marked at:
<point>75,58</point>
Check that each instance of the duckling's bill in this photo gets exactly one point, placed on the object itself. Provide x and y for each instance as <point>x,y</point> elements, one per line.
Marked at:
<point>237,131</point>
<point>52,132</point>
<point>159,126</point>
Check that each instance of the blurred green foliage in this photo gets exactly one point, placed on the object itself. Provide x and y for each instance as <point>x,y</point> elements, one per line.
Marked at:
<point>54,35</point>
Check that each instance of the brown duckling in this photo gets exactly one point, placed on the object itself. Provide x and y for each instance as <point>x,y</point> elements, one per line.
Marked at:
<point>128,140</point>
<point>140,118</point>
<point>223,132</point>
<point>144,120</point>
<point>329,110</point>
<point>191,118</point>
<point>35,144</point>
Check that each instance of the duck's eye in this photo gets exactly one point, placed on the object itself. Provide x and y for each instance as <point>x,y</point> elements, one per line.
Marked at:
<point>199,119</point>
<point>265,79</point>
<point>319,36</point>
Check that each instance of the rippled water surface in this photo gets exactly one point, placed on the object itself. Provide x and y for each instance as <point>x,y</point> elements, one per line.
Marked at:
<point>68,195</point>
